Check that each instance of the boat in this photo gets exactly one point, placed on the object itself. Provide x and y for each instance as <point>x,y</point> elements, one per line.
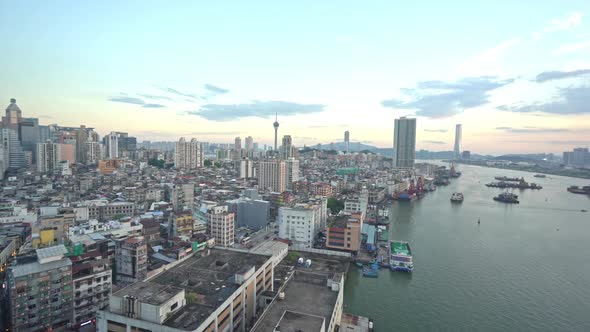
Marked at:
<point>520,185</point>
<point>507,197</point>
<point>540,175</point>
<point>371,271</point>
<point>457,197</point>
<point>505,178</point>
<point>401,258</point>
<point>578,190</point>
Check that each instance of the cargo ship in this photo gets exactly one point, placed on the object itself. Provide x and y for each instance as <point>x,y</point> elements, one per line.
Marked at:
<point>507,197</point>
<point>577,190</point>
<point>457,197</point>
<point>520,185</point>
<point>505,178</point>
<point>401,258</point>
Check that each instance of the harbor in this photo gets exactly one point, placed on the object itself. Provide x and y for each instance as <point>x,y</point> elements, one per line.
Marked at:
<point>486,276</point>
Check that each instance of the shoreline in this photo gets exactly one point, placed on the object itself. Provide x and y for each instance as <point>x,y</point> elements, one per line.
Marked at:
<point>536,171</point>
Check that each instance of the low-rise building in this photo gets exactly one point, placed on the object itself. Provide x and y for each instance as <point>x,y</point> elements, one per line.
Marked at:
<point>344,232</point>
<point>213,290</point>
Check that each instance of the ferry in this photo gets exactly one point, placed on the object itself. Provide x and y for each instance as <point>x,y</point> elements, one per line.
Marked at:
<point>400,258</point>
<point>507,197</point>
<point>578,190</point>
<point>457,197</point>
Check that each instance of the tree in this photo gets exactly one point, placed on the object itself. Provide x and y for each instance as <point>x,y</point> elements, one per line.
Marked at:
<point>335,205</point>
<point>208,163</point>
<point>159,163</point>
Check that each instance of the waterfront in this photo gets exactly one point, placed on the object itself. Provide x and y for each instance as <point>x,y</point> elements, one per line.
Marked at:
<point>525,267</point>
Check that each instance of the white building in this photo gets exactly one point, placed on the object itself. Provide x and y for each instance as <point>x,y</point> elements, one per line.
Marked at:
<point>292,174</point>
<point>93,152</point>
<point>188,155</point>
<point>112,145</point>
<point>458,138</point>
<point>48,156</point>
<point>404,142</point>
<point>246,168</point>
<point>301,223</point>
<point>272,175</point>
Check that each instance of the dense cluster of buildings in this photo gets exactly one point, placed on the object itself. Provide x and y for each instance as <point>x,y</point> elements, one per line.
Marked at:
<point>579,157</point>
<point>177,236</point>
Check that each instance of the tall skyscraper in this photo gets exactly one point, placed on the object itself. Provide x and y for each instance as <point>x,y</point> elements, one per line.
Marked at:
<point>347,141</point>
<point>292,174</point>
<point>246,169</point>
<point>13,116</point>
<point>48,156</point>
<point>249,144</point>
<point>276,126</point>
<point>458,138</point>
<point>188,155</point>
<point>287,149</point>
<point>404,142</point>
<point>237,144</point>
<point>112,145</point>
<point>12,149</point>
<point>272,175</point>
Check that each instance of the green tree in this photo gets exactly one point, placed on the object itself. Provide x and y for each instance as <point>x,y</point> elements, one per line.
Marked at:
<point>335,205</point>
<point>156,163</point>
<point>208,163</point>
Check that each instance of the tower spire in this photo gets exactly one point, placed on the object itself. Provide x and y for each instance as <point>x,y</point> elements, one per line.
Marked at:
<point>276,126</point>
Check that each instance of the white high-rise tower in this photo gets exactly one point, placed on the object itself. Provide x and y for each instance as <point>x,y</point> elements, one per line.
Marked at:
<point>458,138</point>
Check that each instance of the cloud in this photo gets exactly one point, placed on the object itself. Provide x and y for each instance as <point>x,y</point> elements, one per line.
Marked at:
<point>179,93</point>
<point>556,75</point>
<point>570,100</point>
<point>436,130</point>
<point>532,130</point>
<point>434,142</point>
<point>256,108</point>
<point>215,89</point>
<point>437,99</point>
<point>215,133</point>
<point>488,61</point>
<point>156,97</point>
<point>127,100</point>
<point>571,48</point>
<point>572,20</point>
<point>153,105</point>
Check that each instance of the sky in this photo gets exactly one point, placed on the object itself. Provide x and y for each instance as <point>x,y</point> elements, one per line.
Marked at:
<point>515,74</point>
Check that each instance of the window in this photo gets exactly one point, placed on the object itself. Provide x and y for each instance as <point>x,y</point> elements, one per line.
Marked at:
<point>174,306</point>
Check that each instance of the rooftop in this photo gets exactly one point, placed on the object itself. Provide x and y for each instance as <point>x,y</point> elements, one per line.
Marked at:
<point>208,281</point>
<point>149,292</point>
<point>36,267</point>
<point>299,290</point>
<point>296,321</point>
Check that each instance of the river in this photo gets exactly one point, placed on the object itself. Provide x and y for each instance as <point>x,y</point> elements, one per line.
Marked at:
<point>526,267</point>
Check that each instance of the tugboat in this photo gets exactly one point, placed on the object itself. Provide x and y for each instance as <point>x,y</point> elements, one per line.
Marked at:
<point>507,197</point>
<point>457,197</point>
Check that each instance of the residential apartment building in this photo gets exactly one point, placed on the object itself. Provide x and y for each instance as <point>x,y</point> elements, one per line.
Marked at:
<point>92,279</point>
<point>221,225</point>
<point>188,155</point>
<point>40,291</point>
<point>130,260</point>
<point>48,156</point>
<point>103,211</point>
<point>344,232</point>
<point>292,172</point>
<point>272,175</point>
<point>181,224</point>
<point>246,168</point>
<point>182,196</point>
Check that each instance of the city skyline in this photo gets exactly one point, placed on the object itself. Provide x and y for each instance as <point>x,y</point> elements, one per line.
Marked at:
<point>519,87</point>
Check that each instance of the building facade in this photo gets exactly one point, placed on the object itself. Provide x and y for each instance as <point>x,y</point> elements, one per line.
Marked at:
<point>458,139</point>
<point>404,142</point>
<point>188,155</point>
<point>272,174</point>
<point>221,225</point>
<point>131,260</point>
